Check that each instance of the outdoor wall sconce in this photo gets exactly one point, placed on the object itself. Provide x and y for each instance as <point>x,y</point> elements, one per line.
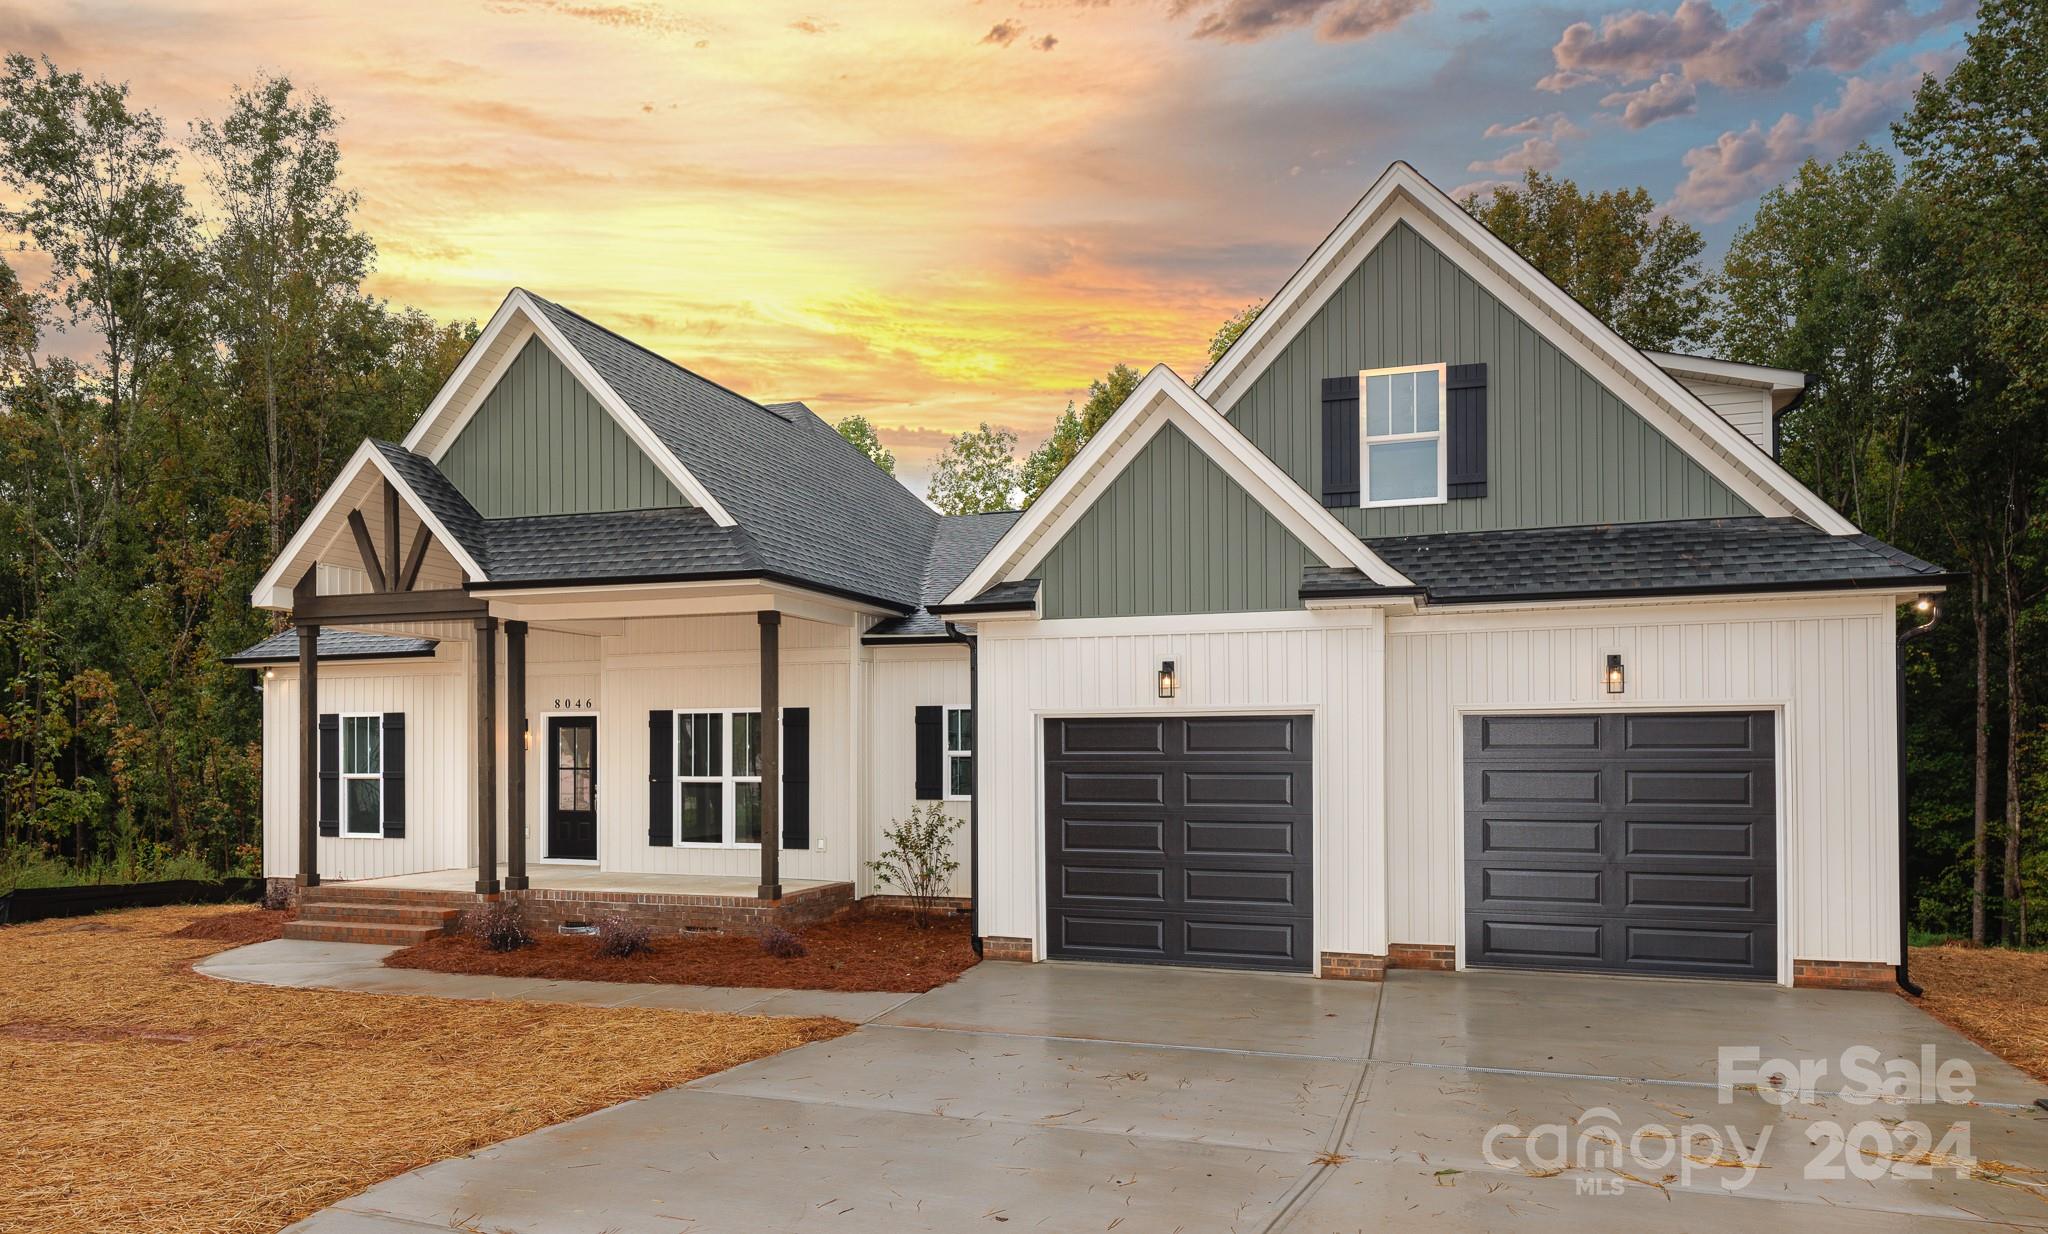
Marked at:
<point>1616,683</point>
<point>1167,682</point>
<point>526,732</point>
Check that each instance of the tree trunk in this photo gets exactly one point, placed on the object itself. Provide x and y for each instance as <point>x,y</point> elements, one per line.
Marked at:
<point>1980,848</point>
<point>2015,895</point>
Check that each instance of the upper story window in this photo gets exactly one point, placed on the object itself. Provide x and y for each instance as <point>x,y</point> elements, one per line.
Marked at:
<point>1403,411</point>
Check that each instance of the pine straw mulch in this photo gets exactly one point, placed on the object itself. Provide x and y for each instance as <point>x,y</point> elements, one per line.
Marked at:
<point>857,949</point>
<point>1995,997</point>
<point>249,925</point>
<point>136,1095</point>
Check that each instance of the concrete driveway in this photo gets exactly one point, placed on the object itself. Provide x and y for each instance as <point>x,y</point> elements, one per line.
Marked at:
<point>1072,1097</point>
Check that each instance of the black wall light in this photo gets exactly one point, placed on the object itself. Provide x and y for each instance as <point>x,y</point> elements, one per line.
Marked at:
<point>1168,683</point>
<point>1614,677</point>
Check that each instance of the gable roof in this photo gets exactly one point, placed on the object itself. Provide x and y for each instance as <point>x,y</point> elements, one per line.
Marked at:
<point>1162,398</point>
<point>1402,194</point>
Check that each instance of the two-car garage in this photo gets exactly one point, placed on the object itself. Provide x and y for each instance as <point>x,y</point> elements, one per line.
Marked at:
<point>1611,841</point>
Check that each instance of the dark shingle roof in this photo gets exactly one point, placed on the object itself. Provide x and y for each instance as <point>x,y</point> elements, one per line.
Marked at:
<point>1691,555</point>
<point>958,545</point>
<point>283,647</point>
<point>814,508</point>
<point>627,544</point>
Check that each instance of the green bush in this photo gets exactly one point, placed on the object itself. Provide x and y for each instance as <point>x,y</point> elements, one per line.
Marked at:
<point>919,860</point>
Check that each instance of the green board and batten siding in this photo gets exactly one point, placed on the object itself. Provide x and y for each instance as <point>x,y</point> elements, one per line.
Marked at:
<point>1173,534</point>
<point>1562,450</point>
<point>541,444</point>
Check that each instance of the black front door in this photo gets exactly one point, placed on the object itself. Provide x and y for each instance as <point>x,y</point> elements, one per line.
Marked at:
<point>572,787</point>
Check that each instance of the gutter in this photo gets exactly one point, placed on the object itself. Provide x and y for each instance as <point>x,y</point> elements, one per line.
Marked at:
<point>1893,583</point>
<point>1932,609</point>
<point>954,634</point>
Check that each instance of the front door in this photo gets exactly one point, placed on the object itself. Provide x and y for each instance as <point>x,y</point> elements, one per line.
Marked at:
<point>572,787</point>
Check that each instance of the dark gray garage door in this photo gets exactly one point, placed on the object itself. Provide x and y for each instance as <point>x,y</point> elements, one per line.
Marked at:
<point>1179,841</point>
<point>1642,843</point>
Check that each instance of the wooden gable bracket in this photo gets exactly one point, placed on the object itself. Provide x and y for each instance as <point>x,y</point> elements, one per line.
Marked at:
<point>384,570</point>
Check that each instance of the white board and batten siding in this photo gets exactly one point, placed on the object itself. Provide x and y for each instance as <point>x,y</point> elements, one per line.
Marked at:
<point>1824,665</point>
<point>899,681</point>
<point>1748,408</point>
<point>1327,665</point>
<point>435,698</point>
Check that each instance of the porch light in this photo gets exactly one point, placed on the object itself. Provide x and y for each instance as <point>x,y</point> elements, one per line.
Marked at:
<point>1167,682</point>
<point>1616,683</point>
<point>270,674</point>
<point>526,734</point>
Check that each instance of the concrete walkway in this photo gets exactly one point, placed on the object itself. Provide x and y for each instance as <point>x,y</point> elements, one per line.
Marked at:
<point>1072,1097</point>
<point>359,967</point>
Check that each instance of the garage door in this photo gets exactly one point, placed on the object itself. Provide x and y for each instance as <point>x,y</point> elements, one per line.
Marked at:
<point>1179,841</point>
<point>1627,842</point>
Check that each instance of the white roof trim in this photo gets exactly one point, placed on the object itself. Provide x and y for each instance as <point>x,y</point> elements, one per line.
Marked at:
<point>445,417</point>
<point>1732,371</point>
<point>273,591</point>
<point>1402,192</point>
<point>1160,399</point>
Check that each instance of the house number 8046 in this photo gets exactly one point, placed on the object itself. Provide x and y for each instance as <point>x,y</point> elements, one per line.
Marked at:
<point>572,704</point>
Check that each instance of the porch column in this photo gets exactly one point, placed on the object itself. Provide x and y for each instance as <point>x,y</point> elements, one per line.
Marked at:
<point>515,750</point>
<point>486,760</point>
<point>771,755</point>
<point>309,756</point>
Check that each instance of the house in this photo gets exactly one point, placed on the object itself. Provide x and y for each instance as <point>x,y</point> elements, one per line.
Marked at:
<point>1434,626</point>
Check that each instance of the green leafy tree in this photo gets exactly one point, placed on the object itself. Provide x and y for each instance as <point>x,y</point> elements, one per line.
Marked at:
<point>861,435</point>
<point>977,474</point>
<point>1227,333</point>
<point>1634,268</point>
<point>1075,427</point>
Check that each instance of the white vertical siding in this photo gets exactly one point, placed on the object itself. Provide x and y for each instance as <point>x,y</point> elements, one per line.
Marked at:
<point>899,681</point>
<point>1746,407</point>
<point>433,697</point>
<point>1824,665</point>
<point>1324,664</point>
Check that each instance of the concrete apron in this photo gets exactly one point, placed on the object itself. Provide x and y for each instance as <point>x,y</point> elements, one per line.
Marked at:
<point>1088,1097</point>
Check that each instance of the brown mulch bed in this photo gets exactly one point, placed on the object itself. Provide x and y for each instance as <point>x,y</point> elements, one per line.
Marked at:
<point>1995,997</point>
<point>137,1095</point>
<point>854,950</point>
<point>249,925</point>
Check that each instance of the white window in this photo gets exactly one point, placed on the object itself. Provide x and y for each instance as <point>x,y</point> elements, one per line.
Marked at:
<point>959,753</point>
<point>362,775</point>
<point>718,778</point>
<point>1403,438</point>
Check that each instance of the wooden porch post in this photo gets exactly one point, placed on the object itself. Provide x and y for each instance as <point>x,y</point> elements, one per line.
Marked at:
<point>515,751</point>
<point>486,762</point>
<point>771,755</point>
<point>309,756</point>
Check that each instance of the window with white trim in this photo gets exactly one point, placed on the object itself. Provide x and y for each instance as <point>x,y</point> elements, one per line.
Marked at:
<point>959,753</point>
<point>718,779</point>
<point>362,775</point>
<point>1402,412</point>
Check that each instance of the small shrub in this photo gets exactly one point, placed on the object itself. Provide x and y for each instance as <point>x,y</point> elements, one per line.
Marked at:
<point>919,860</point>
<point>499,925</point>
<point>619,936</point>
<point>783,945</point>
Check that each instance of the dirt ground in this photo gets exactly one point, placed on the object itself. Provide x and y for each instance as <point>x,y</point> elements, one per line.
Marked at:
<point>136,1095</point>
<point>1995,997</point>
<point>855,950</point>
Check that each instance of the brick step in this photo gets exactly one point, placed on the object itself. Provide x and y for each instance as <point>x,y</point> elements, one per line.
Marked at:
<point>343,893</point>
<point>368,913</point>
<point>388,935</point>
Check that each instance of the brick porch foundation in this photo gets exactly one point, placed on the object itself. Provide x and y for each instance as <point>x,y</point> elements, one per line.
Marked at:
<point>1842,975</point>
<point>1352,966</point>
<point>332,910</point>
<point>1016,949</point>
<point>1434,957</point>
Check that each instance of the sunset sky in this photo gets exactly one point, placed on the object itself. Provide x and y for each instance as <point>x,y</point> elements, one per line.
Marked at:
<point>938,213</point>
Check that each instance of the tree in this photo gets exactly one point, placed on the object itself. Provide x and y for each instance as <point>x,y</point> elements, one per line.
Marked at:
<point>977,474</point>
<point>1075,428</point>
<point>1228,332</point>
<point>861,435</point>
<point>1635,269</point>
<point>288,256</point>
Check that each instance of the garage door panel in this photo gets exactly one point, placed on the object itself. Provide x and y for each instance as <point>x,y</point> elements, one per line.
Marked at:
<point>1113,737</point>
<point>1668,865</point>
<point>1217,872</point>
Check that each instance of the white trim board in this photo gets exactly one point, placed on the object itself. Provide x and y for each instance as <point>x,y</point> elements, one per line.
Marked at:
<point>517,320</point>
<point>1403,194</point>
<point>1160,399</point>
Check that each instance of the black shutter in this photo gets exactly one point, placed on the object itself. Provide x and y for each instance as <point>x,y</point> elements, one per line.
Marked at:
<point>1465,469</point>
<point>661,774</point>
<point>330,774</point>
<point>1340,441</point>
<point>796,777</point>
<point>394,775</point>
<point>931,753</point>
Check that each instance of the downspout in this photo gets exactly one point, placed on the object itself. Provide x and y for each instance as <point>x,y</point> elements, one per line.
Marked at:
<point>954,632</point>
<point>1925,605</point>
